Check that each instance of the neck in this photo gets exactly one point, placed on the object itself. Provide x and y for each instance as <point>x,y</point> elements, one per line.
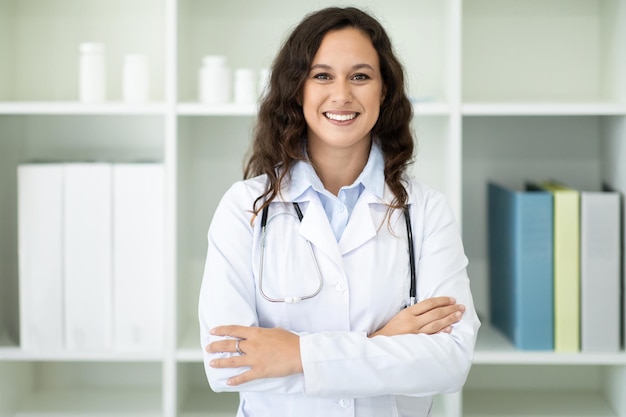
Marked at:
<point>339,167</point>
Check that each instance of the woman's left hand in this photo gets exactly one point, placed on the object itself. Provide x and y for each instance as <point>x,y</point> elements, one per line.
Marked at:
<point>269,353</point>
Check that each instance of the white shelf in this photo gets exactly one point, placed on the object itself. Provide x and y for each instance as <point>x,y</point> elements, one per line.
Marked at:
<point>77,108</point>
<point>543,109</point>
<point>228,109</point>
<point>17,354</point>
<point>493,347</point>
<point>502,86</point>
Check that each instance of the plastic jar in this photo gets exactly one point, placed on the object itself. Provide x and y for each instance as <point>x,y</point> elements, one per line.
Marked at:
<point>214,80</point>
<point>135,79</point>
<point>92,72</point>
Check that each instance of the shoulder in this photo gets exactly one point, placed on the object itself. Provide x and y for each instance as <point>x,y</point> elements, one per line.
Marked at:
<point>422,195</point>
<point>238,200</point>
<point>429,205</point>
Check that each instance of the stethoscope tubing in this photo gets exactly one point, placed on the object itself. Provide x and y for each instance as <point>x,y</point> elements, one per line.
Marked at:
<point>297,299</point>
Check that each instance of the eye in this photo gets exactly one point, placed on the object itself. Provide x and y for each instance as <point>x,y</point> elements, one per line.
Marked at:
<point>360,77</point>
<point>322,76</point>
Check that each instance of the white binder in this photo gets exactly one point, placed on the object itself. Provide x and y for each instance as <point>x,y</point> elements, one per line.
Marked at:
<point>138,256</point>
<point>40,253</point>
<point>87,258</point>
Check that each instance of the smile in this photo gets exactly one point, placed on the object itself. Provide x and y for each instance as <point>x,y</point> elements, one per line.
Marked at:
<point>341,117</point>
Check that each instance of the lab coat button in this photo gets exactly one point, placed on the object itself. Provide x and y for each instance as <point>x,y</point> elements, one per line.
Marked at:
<point>343,403</point>
<point>340,287</point>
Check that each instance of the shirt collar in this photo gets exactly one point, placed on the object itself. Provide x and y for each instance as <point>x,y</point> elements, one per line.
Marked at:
<point>303,176</point>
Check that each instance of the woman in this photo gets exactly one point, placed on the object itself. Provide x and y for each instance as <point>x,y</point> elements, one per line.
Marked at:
<point>302,306</point>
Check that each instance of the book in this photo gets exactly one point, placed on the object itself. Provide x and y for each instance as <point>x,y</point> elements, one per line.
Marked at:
<point>138,256</point>
<point>520,247</point>
<point>600,286</point>
<point>87,259</point>
<point>40,254</point>
<point>566,205</point>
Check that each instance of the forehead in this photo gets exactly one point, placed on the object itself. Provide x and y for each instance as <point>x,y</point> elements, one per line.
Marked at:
<point>346,44</point>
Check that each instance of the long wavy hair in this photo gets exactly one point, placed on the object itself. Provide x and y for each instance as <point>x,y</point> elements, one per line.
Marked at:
<point>281,129</point>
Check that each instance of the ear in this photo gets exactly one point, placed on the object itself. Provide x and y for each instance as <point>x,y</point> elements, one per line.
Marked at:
<point>383,94</point>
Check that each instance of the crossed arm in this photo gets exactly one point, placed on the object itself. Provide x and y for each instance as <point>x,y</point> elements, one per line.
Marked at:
<point>275,352</point>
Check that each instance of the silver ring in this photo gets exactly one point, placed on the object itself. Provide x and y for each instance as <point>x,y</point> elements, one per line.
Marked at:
<point>237,348</point>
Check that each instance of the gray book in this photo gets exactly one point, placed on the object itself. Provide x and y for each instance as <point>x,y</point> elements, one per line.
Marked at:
<point>600,275</point>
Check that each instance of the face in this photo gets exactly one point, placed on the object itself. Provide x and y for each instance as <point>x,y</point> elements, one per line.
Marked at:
<point>343,92</point>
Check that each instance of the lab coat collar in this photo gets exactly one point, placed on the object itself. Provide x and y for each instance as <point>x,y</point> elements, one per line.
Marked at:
<point>303,177</point>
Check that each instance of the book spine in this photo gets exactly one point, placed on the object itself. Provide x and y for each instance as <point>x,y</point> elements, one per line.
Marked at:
<point>87,258</point>
<point>138,271</point>
<point>40,236</point>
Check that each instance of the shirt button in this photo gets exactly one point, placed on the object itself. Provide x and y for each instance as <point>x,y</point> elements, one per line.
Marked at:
<point>343,403</point>
<point>340,287</point>
<point>341,208</point>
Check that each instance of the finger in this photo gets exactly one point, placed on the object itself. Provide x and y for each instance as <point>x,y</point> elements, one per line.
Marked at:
<point>231,330</point>
<point>225,345</point>
<point>242,378</point>
<point>232,362</point>
<point>430,304</point>
<point>436,326</point>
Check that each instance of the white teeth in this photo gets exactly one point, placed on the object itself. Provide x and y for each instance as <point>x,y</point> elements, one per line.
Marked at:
<point>340,117</point>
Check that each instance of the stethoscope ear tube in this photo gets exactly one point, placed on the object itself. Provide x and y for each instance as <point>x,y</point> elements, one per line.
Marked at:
<point>409,234</point>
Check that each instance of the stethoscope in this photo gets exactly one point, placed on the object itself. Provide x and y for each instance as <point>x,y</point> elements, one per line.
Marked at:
<point>297,299</point>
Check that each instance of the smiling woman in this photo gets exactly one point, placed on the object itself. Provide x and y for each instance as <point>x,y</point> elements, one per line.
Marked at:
<point>316,314</point>
<point>341,103</point>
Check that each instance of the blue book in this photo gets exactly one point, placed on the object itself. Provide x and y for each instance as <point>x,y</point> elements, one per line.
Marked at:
<point>521,284</point>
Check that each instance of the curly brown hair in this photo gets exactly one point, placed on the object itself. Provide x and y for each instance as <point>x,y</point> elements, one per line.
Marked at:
<point>280,131</point>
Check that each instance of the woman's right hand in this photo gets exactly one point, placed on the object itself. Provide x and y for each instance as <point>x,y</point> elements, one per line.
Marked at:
<point>430,316</point>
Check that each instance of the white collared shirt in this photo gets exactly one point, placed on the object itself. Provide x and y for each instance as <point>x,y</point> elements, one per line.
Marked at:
<point>339,208</point>
<point>365,282</point>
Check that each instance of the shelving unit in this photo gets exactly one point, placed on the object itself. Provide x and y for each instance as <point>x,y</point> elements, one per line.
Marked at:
<point>504,89</point>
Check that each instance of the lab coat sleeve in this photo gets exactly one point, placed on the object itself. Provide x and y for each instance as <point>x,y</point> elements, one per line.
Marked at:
<point>227,294</point>
<point>348,364</point>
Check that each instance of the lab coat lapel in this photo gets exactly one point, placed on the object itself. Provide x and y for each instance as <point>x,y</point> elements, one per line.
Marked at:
<point>316,228</point>
<point>362,226</point>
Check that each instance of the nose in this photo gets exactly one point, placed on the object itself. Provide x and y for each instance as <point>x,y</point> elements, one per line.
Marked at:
<point>342,93</point>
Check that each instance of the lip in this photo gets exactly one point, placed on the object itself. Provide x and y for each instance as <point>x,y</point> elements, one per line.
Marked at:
<point>340,114</point>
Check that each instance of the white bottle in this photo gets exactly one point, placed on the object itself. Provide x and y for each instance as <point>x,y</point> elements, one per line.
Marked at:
<point>135,79</point>
<point>92,72</point>
<point>245,86</point>
<point>214,80</point>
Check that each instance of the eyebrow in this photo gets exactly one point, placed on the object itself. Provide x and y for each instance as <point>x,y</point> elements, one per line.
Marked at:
<point>354,67</point>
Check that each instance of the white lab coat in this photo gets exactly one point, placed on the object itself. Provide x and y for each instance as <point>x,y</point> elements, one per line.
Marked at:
<point>365,282</point>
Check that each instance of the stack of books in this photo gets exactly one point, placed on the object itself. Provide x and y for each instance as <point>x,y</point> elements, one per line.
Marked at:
<point>555,277</point>
<point>91,256</point>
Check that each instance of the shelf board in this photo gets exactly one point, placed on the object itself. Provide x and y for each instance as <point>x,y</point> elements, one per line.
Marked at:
<point>228,109</point>
<point>77,108</point>
<point>13,353</point>
<point>492,347</point>
<point>494,403</point>
<point>543,109</point>
<point>93,402</point>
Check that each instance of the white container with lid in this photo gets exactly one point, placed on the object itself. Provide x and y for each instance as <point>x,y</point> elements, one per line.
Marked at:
<point>135,79</point>
<point>92,72</point>
<point>245,86</point>
<point>214,80</point>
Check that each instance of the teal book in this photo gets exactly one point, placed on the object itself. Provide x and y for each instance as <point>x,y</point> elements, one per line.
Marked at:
<point>566,202</point>
<point>521,284</point>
